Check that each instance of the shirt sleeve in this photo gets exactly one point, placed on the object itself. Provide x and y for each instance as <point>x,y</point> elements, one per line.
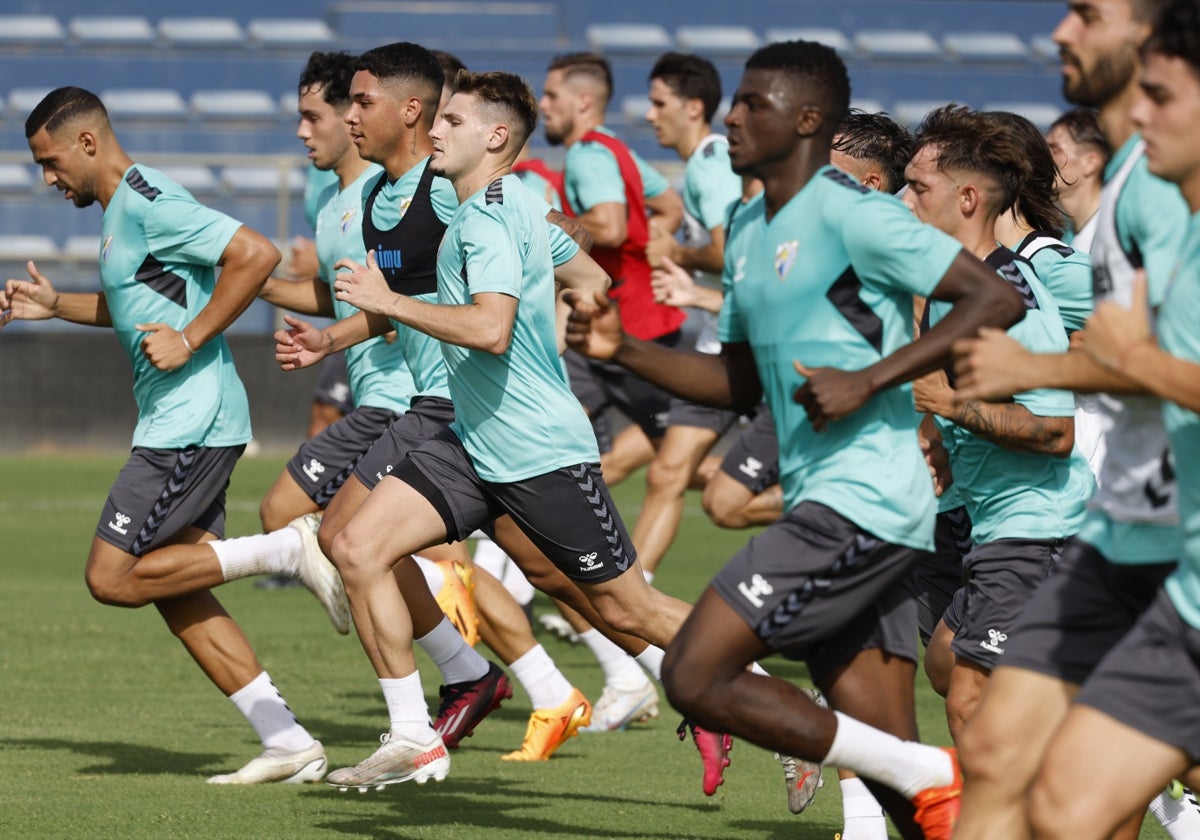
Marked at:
<point>711,187</point>
<point>1155,217</point>
<point>180,230</point>
<point>730,328</point>
<point>913,257</point>
<point>491,255</point>
<point>562,246</point>
<point>593,177</point>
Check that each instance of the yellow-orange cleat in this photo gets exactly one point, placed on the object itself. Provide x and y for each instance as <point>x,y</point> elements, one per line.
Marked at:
<point>938,807</point>
<point>457,598</point>
<point>549,729</point>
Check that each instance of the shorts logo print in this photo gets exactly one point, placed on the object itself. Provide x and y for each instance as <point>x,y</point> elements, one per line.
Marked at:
<point>314,470</point>
<point>750,467</point>
<point>589,562</point>
<point>119,522</point>
<point>595,497</point>
<point>756,589</point>
<point>158,515</point>
<point>995,641</point>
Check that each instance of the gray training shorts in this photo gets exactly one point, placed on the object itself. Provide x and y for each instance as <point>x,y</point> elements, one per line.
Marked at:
<point>818,588</point>
<point>161,492</point>
<point>323,463</point>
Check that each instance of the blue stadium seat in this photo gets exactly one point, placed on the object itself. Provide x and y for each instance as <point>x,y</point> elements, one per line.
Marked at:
<point>261,180</point>
<point>1040,114</point>
<point>30,30</point>
<point>290,33</point>
<point>634,108</point>
<point>19,247</point>
<point>717,40</point>
<point>201,32</point>
<point>23,100</point>
<point>897,44</point>
<point>833,38</point>
<point>15,178</point>
<point>628,37</point>
<point>1044,47</point>
<point>910,112</point>
<point>112,31</point>
<point>451,24</point>
<point>85,247</point>
<point>985,46</point>
<point>243,105</point>
<point>144,103</point>
<point>198,180</point>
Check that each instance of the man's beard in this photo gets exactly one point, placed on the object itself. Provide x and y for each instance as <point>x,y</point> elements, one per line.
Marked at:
<point>1107,78</point>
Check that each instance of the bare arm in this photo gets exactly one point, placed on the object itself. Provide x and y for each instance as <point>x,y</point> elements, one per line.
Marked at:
<point>580,274</point>
<point>710,257</point>
<point>675,287</point>
<point>36,299</point>
<point>666,210</point>
<point>303,345</point>
<point>247,262</point>
<point>310,296</point>
<point>728,380</point>
<point>980,298</point>
<point>606,223</point>
<point>573,229</point>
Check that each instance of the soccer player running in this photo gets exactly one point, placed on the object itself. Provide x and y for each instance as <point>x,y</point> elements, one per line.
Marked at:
<point>825,328</point>
<point>1014,464</point>
<point>1139,703</point>
<point>402,213</point>
<point>520,443</point>
<point>1081,152</point>
<point>155,539</point>
<point>1129,542</point>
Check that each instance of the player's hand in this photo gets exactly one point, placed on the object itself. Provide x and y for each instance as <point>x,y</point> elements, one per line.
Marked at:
<point>363,286</point>
<point>660,245</point>
<point>672,285</point>
<point>593,325</point>
<point>164,346</point>
<point>990,367</point>
<point>301,345</point>
<point>932,394</point>
<point>1112,330</point>
<point>302,259</point>
<point>829,394</point>
<point>28,300</point>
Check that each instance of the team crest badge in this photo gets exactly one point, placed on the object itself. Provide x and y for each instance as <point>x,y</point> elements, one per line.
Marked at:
<point>405,203</point>
<point>347,218</point>
<point>105,247</point>
<point>785,257</point>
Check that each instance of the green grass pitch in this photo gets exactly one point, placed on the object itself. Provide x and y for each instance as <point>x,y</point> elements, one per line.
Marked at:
<point>108,730</point>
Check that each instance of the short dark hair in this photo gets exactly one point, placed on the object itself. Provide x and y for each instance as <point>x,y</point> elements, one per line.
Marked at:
<point>451,64</point>
<point>332,72</point>
<point>505,90</point>
<point>877,138</point>
<point>814,65</point>
<point>588,64</point>
<point>968,141</point>
<point>1148,11</point>
<point>1037,199</point>
<point>60,106</point>
<point>1177,34</point>
<point>405,61</point>
<point>1083,126</point>
<point>690,77</point>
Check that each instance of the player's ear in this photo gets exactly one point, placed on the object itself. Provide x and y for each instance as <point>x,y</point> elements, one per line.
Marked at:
<point>498,137</point>
<point>87,142</point>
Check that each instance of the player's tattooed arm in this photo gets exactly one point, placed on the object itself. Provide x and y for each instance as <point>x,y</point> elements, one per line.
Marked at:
<point>572,228</point>
<point>1015,427</point>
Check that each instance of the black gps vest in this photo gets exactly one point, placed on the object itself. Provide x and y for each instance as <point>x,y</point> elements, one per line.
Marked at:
<point>407,254</point>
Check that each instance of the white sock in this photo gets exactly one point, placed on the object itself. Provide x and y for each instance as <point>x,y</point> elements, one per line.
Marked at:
<point>649,576</point>
<point>261,554</point>
<point>407,711</point>
<point>1180,818</point>
<point>908,767</point>
<point>620,670</point>
<point>755,668</point>
<point>517,584</point>
<point>540,677</point>
<point>434,576</point>
<point>651,659</point>
<point>262,704</point>
<point>492,559</point>
<point>457,661</point>
<point>862,815</point>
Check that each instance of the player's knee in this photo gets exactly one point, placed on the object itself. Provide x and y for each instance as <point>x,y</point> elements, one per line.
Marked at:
<point>618,615</point>
<point>348,554</point>
<point>270,515</point>
<point>981,750</point>
<point>667,476</point>
<point>1053,813</point>
<point>683,685</point>
<point>329,530</point>
<point>111,590</point>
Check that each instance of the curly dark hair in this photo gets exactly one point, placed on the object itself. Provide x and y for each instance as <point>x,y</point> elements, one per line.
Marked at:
<point>969,141</point>
<point>332,71</point>
<point>1037,202</point>
<point>877,138</point>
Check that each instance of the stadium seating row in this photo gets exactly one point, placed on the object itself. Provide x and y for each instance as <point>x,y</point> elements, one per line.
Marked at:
<point>42,31</point>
